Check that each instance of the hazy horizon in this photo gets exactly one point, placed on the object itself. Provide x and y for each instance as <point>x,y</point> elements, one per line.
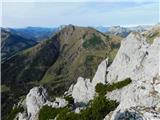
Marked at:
<point>79,26</point>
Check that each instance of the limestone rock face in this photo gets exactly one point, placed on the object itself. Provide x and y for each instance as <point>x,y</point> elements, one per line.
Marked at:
<point>139,61</point>
<point>84,90</point>
<point>35,100</point>
<point>129,58</point>
<point>100,76</point>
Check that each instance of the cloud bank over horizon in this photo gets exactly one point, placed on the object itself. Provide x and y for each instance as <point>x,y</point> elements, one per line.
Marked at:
<point>53,14</point>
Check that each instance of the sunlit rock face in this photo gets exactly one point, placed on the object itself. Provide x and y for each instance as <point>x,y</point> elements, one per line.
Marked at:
<point>129,59</point>
<point>100,75</point>
<point>138,60</point>
<point>84,90</point>
<point>35,100</point>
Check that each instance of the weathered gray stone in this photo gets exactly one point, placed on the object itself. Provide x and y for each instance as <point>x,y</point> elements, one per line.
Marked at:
<point>139,61</point>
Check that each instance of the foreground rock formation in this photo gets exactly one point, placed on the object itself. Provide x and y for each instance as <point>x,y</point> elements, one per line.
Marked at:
<point>139,61</point>
<point>35,100</point>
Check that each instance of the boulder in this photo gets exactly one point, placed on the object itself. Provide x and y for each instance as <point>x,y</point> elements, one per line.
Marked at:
<point>83,91</point>
<point>59,102</point>
<point>35,100</point>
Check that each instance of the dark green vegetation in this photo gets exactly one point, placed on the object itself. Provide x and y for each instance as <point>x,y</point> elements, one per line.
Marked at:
<point>96,110</point>
<point>47,113</point>
<point>14,112</point>
<point>69,99</point>
<point>4,88</point>
<point>103,89</point>
<point>55,63</point>
<point>94,41</point>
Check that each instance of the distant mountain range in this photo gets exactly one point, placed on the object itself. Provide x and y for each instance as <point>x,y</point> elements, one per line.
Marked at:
<point>34,33</point>
<point>18,39</point>
<point>12,43</point>
<point>122,31</point>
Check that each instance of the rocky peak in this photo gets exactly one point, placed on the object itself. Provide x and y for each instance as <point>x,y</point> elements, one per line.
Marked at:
<point>67,30</point>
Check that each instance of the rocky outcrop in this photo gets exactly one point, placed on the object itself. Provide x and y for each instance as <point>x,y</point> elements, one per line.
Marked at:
<point>129,58</point>
<point>84,90</point>
<point>35,100</point>
<point>139,61</point>
<point>100,76</point>
<point>59,102</point>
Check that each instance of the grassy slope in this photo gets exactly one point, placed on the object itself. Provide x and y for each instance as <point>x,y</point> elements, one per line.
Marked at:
<point>80,57</point>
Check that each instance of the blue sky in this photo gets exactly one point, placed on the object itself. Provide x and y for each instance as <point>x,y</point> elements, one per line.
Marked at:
<point>91,13</point>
